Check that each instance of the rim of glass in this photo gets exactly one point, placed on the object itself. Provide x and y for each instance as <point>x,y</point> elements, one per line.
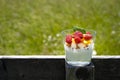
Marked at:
<point>64,32</point>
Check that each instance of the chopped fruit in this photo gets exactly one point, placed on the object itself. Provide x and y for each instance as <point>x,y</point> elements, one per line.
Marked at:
<point>81,45</point>
<point>87,42</point>
<point>88,33</point>
<point>73,45</point>
<point>68,44</point>
<point>73,40</point>
<point>87,36</point>
<point>69,39</point>
<point>79,34</point>
<point>77,39</point>
<point>82,39</point>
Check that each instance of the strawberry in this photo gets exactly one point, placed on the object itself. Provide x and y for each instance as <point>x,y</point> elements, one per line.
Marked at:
<point>79,34</point>
<point>77,39</point>
<point>87,36</point>
<point>69,39</point>
<point>88,33</point>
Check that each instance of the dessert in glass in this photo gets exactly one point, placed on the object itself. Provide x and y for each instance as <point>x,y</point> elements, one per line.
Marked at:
<point>78,45</point>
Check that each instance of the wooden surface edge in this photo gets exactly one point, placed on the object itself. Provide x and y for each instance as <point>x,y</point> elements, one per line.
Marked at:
<point>53,56</point>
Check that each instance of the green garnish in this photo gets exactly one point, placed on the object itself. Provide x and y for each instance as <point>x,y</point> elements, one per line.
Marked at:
<point>76,28</point>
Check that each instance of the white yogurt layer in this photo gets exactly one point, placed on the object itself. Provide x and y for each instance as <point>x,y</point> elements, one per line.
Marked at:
<point>80,56</point>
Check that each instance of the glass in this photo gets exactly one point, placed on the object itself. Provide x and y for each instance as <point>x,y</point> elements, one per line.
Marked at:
<point>78,56</point>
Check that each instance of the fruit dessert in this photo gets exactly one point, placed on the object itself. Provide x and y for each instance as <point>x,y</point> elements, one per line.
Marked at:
<point>78,46</point>
<point>78,40</point>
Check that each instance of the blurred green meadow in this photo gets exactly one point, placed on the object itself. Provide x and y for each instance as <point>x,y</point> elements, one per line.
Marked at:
<point>33,27</point>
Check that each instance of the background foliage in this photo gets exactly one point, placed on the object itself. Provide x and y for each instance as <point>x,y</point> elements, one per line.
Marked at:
<point>33,27</point>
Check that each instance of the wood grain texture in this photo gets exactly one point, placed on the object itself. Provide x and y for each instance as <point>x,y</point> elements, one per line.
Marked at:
<point>53,68</point>
<point>107,69</point>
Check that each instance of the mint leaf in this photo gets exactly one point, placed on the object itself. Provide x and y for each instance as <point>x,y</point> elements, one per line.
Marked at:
<point>76,28</point>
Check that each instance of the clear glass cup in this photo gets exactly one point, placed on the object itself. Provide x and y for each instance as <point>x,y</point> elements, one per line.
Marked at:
<point>81,56</point>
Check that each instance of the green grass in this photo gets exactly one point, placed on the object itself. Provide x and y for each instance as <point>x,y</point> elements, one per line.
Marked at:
<point>32,27</point>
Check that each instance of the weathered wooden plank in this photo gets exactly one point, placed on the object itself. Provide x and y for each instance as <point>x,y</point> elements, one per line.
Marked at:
<point>53,67</point>
<point>107,69</point>
<point>34,69</point>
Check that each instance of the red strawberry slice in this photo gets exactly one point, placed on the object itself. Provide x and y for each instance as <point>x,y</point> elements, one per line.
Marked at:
<point>69,39</point>
<point>87,36</point>
<point>79,34</point>
<point>77,39</point>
